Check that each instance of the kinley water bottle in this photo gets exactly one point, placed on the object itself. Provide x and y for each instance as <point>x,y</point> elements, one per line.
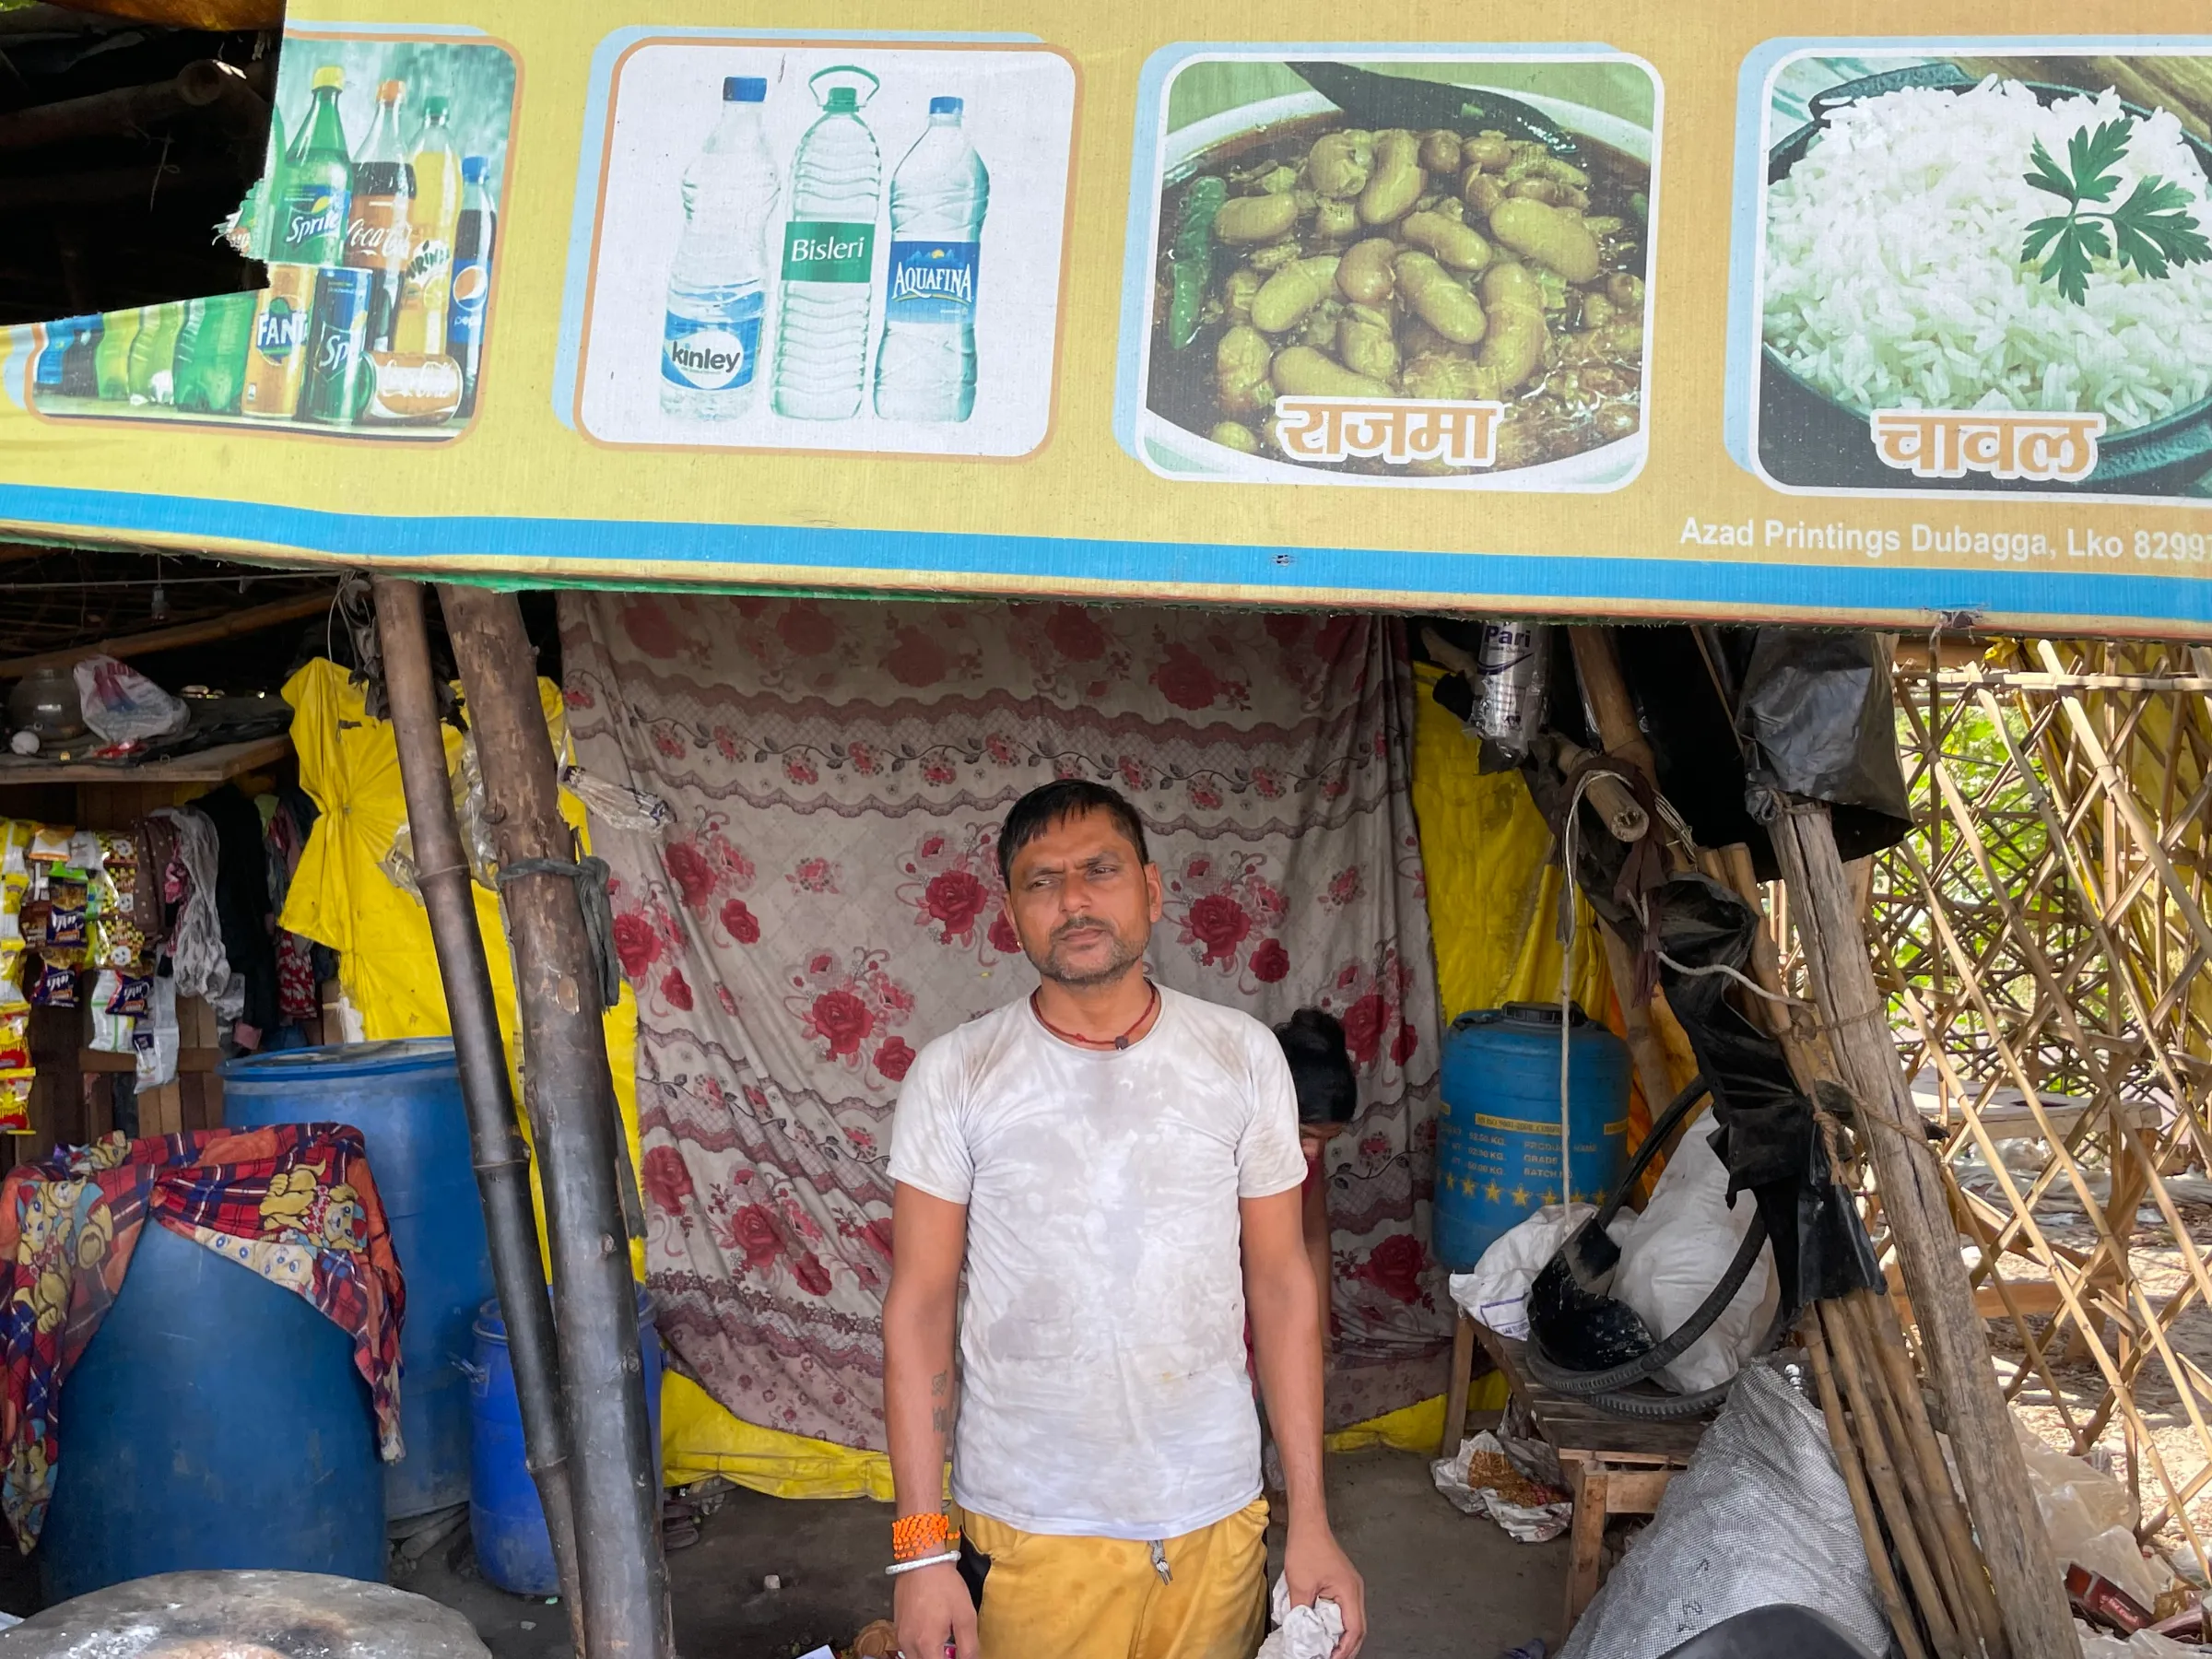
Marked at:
<point>829,256</point>
<point>710,344</point>
<point>925,367</point>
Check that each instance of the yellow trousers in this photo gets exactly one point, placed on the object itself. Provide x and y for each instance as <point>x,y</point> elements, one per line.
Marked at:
<point>1103,1598</point>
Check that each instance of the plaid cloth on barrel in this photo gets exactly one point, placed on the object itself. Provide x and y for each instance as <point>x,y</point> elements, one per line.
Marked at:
<point>295,1203</point>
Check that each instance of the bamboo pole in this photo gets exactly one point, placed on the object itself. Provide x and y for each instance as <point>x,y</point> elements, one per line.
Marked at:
<point>1888,1487</point>
<point>501,1163</point>
<point>2023,1572</point>
<point>1862,1502</point>
<point>1881,1335</point>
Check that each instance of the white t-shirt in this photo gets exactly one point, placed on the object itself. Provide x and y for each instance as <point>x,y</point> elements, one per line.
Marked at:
<point>1103,1383</point>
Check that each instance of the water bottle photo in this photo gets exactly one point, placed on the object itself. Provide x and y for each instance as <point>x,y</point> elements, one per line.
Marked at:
<point>717,287</point>
<point>925,365</point>
<point>821,360</point>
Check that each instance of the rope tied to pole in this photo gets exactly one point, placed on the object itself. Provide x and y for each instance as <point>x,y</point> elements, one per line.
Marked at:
<point>590,875</point>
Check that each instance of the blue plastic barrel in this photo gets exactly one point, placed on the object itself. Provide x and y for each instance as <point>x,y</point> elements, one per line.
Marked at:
<point>404,1098</point>
<point>1497,1127</point>
<point>505,1518</point>
<point>215,1420</point>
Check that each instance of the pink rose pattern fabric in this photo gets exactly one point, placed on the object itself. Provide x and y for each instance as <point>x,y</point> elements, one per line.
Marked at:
<point>827,900</point>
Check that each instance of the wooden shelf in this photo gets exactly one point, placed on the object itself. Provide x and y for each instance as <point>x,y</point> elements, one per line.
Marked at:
<point>217,765</point>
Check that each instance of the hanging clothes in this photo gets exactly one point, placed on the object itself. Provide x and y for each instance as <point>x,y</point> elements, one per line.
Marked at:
<point>243,908</point>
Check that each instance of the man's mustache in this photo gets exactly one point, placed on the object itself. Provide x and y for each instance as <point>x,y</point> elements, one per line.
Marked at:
<point>1078,923</point>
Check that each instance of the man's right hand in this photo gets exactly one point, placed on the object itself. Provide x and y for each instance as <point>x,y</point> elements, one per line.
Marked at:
<point>934,1615</point>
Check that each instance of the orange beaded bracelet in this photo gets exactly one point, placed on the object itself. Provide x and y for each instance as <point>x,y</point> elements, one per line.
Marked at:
<point>913,1537</point>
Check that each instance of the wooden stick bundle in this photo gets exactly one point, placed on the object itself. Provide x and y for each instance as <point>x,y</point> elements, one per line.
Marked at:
<point>1901,1487</point>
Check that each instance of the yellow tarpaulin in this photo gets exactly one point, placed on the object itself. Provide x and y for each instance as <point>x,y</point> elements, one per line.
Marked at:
<point>341,896</point>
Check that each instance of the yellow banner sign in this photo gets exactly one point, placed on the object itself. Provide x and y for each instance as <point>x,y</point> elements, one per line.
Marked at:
<point>1691,315</point>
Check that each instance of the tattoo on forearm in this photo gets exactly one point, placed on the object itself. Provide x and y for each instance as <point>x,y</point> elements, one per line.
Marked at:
<point>940,1419</point>
<point>939,1384</point>
<point>940,1414</point>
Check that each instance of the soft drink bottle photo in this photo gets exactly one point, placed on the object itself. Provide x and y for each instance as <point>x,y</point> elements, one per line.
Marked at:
<point>717,287</point>
<point>926,365</point>
<point>474,234</point>
<point>378,234</point>
<point>830,255</point>
<point>112,362</point>
<point>314,193</point>
<point>426,297</point>
<point>215,378</point>
<point>154,354</point>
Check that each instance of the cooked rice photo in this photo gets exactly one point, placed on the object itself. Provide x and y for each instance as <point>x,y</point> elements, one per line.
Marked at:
<point>1894,274</point>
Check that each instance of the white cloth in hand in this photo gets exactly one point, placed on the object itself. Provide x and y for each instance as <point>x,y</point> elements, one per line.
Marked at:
<point>1300,1632</point>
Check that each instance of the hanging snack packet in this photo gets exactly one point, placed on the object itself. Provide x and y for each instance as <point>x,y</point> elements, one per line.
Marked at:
<point>132,994</point>
<point>50,843</point>
<point>14,1102</point>
<point>119,865</point>
<point>14,840</point>
<point>112,1033</point>
<point>54,987</point>
<point>15,1041</point>
<point>32,923</point>
<point>12,1000</point>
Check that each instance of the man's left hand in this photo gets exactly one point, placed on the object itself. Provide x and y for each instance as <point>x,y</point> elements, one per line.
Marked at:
<point>1315,1565</point>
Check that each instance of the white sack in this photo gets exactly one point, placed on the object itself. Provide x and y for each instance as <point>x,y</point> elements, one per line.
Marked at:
<point>1675,1253</point>
<point>1494,1292</point>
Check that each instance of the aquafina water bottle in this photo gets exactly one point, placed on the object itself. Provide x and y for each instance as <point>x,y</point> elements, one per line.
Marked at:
<point>925,367</point>
<point>829,256</point>
<point>710,344</point>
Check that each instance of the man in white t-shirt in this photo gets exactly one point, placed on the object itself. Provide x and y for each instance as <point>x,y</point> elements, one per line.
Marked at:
<point>1116,1165</point>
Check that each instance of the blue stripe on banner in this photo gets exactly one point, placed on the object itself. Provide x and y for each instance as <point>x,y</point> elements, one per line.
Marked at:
<point>912,558</point>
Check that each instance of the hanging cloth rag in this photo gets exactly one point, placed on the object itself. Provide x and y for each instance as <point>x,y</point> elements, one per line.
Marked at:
<point>295,1203</point>
<point>243,908</point>
<point>196,946</point>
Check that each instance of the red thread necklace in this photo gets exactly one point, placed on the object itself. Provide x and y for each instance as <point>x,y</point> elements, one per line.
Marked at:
<point>1151,1003</point>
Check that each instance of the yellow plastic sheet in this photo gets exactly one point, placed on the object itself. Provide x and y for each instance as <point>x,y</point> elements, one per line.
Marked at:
<point>1493,899</point>
<point>699,1438</point>
<point>341,896</point>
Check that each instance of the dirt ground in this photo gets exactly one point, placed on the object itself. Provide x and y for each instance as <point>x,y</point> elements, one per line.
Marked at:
<point>1439,1584</point>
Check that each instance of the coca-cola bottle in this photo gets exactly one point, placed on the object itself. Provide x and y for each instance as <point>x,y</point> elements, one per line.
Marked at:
<point>377,237</point>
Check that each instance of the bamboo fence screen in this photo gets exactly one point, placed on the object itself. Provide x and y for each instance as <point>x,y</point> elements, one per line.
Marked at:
<point>2045,939</point>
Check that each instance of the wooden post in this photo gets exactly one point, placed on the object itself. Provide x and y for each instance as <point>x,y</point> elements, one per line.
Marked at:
<point>501,1163</point>
<point>2023,1571</point>
<point>616,1466</point>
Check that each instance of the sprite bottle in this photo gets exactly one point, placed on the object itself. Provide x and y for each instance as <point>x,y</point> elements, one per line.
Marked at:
<point>211,357</point>
<point>316,195</point>
<point>152,362</point>
<point>111,357</point>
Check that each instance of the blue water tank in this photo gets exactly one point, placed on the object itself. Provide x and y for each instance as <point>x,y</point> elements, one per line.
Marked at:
<point>505,1519</point>
<point>404,1098</point>
<point>1497,1127</point>
<point>215,1420</point>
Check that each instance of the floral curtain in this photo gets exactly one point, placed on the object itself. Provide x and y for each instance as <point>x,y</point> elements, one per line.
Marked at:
<point>827,901</point>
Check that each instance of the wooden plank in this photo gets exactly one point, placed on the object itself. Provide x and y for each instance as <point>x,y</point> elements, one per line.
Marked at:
<point>1587,1536</point>
<point>254,618</point>
<point>1636,1491</point>
<point>1456,1392</point>
<point>216,765</point>
<point>1571,1425</point>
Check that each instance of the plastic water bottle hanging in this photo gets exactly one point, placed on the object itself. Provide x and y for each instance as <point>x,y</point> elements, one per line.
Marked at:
<point>822,360</point>
<point>925,365</point>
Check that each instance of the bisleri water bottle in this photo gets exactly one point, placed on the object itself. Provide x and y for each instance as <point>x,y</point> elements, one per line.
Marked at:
<point>925,367</point>
<point>711,341</point>
<point>829,256</point>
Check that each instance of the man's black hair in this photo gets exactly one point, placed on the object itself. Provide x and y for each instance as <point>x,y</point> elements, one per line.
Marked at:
<point>1052,804</point>
<point>1320,1066</point>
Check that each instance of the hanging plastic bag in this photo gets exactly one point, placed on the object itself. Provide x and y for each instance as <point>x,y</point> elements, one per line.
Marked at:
<point>1496,1292</point>
<point>123,705</point>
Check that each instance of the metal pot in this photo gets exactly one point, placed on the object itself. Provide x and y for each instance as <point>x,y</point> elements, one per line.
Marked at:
<point>45,701</point>
<point>1809,439</point>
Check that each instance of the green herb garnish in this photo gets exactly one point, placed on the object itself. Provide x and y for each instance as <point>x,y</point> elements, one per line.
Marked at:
<point>2151,229</point>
